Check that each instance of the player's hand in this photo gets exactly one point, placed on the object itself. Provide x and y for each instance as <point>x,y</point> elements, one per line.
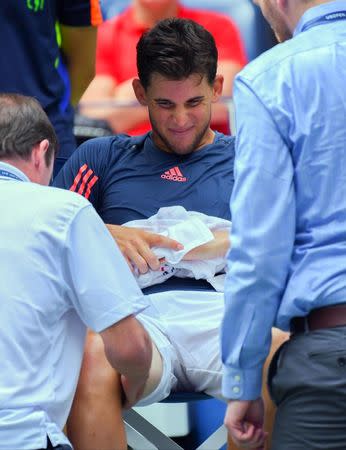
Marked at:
<point>244,421</point>
<point>216,248</point>
<point>135,244</point>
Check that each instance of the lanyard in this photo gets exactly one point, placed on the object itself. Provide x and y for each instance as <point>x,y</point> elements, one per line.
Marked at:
<point>327,18</point>
<point>7,174</point>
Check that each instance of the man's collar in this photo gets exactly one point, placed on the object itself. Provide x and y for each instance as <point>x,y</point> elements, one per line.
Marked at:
<point>12,170</point>
<point>319,11</point>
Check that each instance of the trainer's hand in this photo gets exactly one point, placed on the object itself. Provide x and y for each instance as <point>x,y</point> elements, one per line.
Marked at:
<point>244,421</point>
<point>135,244</point>
<point>133,389</point>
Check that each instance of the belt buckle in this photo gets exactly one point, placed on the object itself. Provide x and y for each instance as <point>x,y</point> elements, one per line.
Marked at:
<point>300,325</point>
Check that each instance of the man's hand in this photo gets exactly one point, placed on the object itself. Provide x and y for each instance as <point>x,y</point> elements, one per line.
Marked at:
<point>216,248</point>
<point>135,244</point>
<point>244,421</point>
<point>133,389</point>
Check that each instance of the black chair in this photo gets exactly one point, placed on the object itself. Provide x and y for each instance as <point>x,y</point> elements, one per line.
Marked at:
<point>86,128</point>
<point>143,435</point>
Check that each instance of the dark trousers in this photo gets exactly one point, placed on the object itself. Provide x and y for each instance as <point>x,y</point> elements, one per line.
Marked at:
<point>59,447</point>
<point>307,382</point>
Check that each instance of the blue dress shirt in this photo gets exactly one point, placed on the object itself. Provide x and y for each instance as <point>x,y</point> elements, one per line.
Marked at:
<point>288,205</point>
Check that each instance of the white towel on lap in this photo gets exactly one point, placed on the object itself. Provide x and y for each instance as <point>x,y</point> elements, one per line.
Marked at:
<point>191,229</point>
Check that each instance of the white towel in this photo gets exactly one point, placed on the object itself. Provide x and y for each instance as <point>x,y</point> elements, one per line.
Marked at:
<point>191,229</point>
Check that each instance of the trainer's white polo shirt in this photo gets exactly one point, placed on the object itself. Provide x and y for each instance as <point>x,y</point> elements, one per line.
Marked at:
<point>60,271</point>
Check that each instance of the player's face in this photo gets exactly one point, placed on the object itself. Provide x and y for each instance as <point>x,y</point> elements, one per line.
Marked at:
<point>180,112</point>
<point>275,18</point>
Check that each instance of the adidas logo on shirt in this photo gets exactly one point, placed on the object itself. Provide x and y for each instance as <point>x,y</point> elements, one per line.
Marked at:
<point>174,174</point>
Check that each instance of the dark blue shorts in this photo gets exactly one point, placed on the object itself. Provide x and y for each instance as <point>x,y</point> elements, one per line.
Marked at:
<point>59,447</point>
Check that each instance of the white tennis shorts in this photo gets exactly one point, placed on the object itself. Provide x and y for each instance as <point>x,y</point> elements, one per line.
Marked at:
<point>185,327</point>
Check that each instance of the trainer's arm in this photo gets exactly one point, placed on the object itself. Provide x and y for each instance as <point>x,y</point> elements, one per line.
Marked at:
<point>128,349</point>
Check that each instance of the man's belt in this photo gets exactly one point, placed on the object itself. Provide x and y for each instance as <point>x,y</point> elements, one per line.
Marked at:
<point>327,317</point>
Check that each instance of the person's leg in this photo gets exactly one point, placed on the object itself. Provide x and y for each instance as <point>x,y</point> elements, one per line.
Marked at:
<point>161,379</point>
<point>191,321</point>
<point>97,403</point>
<point>95,420</point>
<point>308,384</point>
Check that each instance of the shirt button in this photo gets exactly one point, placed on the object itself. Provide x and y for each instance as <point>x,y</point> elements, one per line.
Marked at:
<point>236,389</point>
<point>342,362</point>
<point>237,377</point>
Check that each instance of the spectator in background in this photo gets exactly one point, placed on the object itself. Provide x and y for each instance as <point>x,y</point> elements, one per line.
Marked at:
<point>116,62</point>
<point>32,63</point>
<point>111,8</point>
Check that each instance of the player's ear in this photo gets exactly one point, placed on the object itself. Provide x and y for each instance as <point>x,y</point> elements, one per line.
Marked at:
<point>139,92</point>
<point>217,88</point>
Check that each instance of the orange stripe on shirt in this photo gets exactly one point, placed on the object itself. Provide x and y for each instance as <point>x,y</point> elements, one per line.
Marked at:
<point>178,172</point>
<point>95,13</point>
<point>78,177</point>
<point>85,178</point>
<point>90,185</point>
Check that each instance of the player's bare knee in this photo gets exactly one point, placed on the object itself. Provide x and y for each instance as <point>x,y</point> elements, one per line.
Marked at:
<point>156,372</point>
<point>95,367</point>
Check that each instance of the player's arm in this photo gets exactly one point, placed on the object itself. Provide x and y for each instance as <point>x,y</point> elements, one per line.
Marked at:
<point>84,172</point>
<point>216,248</point>
<point>136,246</point>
